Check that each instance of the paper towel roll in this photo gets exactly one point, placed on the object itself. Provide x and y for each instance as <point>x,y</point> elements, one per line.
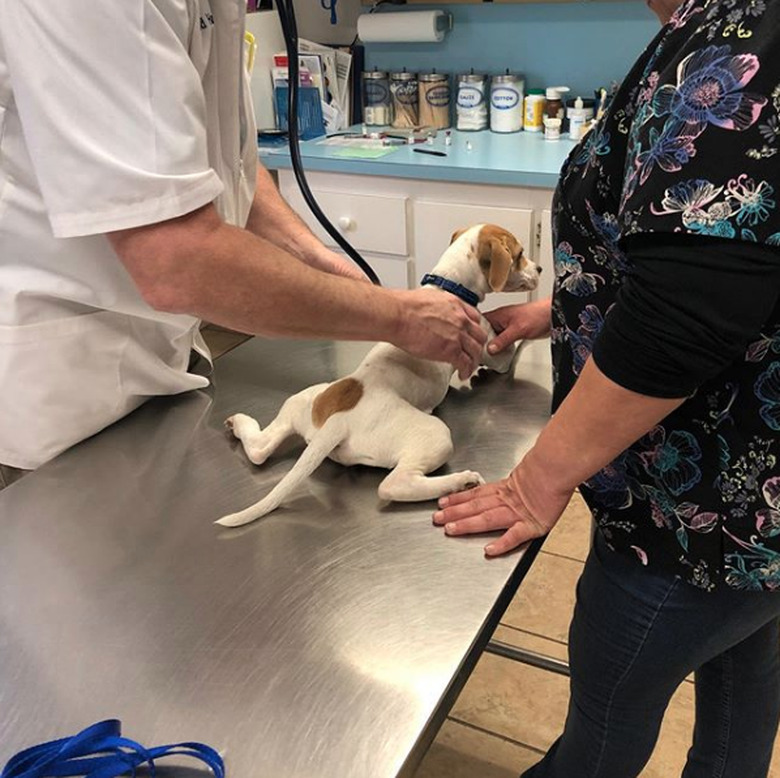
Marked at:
<point>415,26</point>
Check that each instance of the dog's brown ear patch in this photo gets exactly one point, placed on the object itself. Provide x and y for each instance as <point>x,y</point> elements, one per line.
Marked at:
<point>341,396</point>
<point>495,251</point>
<point>457,234</point>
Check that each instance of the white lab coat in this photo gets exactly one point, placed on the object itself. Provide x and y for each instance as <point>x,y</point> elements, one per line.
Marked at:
<point>112,115</point>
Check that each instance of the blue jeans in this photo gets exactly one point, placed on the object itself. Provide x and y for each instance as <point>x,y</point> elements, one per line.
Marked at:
<point>634,638</point>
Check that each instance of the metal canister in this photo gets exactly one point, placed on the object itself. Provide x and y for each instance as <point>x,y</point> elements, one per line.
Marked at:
<point>506,102</point>
<point>471,104</point>
<point>377,108</point>
<point>404,92</point>
<point>434,100</point>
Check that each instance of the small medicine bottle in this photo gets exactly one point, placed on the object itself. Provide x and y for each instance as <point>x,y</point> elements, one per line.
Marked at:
<point>533,113</point>
<point>578,115</point>
<point>554,108</point>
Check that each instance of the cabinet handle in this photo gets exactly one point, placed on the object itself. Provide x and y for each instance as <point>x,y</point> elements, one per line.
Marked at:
<point>346,224</point>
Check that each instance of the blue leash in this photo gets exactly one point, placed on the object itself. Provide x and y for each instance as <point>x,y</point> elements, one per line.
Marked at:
<point>100,751</point>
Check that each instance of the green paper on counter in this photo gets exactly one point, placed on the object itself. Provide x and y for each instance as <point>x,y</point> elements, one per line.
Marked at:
<point>357,153</point>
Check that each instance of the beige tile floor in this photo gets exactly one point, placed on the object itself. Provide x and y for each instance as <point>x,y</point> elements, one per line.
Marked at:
<point>509,713</point>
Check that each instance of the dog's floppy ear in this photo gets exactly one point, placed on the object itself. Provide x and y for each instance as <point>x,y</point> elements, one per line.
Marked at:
<point>495,256</point>
<point>457,234</point>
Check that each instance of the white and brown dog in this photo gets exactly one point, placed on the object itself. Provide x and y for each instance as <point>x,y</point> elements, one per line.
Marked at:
<point>380,414</point>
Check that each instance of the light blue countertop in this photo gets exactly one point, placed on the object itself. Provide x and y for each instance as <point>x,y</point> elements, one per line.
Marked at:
<point>518,159</point>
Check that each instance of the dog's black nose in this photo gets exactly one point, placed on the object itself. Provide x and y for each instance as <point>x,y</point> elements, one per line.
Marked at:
<point>538,269</point>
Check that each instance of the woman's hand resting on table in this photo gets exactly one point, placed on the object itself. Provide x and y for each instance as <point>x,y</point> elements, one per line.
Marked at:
<point>524,321</point>
<point>523,504</point>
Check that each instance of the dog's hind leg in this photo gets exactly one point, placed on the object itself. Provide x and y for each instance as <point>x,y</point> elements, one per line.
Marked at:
<point>259,443</point>
<point>294,417</point>
<point>409,482</point>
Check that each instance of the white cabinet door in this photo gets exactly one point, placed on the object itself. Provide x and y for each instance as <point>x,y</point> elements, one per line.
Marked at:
<point>545,258</point>
<point>434,223</point>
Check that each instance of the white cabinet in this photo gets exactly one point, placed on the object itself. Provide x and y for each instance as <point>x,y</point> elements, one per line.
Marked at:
<point>401,226</point>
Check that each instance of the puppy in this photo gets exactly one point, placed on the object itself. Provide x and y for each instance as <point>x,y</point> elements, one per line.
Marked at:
<point>380,414</point>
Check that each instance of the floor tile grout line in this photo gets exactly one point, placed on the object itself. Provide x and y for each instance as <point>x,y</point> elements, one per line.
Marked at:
<point>558,555</point>
<point>490,732</point>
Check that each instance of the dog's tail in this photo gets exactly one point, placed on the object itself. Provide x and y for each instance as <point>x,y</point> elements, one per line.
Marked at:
<point>333,432</point>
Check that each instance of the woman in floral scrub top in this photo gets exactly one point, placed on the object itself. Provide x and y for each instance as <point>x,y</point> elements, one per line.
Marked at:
<point>665,333</point>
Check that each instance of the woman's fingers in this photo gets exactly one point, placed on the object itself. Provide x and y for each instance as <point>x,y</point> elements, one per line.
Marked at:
<point>502,341</point>
<point>484,520</point>
<point>518,534</point>
<point>488,508</point>
<point>456,498</point>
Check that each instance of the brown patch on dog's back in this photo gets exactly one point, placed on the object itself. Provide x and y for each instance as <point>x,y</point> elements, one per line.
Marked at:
<point>341,396</point>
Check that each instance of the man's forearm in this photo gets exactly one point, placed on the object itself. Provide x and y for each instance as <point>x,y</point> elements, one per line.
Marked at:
<point>596,422</point>
<point>272,218</point>
<point>199,265</point>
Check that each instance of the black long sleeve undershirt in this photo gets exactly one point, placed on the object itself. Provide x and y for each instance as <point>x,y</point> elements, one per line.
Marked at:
<point>689,307</point>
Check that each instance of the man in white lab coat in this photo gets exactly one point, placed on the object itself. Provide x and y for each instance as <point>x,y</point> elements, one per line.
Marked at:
<point>132,207</point>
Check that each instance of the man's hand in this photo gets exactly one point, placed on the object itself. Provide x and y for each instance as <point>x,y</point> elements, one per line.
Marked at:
<point>522,504</point>
<point>438,326</point>
<point>524,321</point>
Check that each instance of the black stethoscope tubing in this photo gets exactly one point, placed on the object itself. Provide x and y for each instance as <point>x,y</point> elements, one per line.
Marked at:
<point>290,32</point>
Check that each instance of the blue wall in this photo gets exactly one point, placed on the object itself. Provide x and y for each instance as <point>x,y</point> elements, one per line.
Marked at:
<point>583,45</point>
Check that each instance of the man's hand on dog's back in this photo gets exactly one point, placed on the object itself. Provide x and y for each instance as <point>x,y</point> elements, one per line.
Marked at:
<point>438,326</point>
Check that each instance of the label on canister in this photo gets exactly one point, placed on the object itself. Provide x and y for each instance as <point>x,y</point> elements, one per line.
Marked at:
<point>438,96</point>
<point>504,98</point>
<point>470,96</point>
<point>376,92</point>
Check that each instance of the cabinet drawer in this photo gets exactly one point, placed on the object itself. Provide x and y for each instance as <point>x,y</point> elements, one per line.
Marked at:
<point>393,272</point>
<point>369,222</point>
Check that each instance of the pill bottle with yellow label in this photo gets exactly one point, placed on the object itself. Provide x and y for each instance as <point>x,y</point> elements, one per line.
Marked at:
<point>533,114</point>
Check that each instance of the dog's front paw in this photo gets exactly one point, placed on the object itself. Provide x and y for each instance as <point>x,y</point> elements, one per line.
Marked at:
<point>468,479</point>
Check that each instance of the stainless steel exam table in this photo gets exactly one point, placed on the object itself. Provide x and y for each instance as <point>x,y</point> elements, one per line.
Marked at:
<point>328,639</point>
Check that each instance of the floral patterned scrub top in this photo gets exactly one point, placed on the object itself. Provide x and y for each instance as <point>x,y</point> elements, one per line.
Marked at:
<point>689,143</point>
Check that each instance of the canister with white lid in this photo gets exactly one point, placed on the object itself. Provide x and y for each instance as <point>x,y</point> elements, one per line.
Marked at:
<point>506,102</point>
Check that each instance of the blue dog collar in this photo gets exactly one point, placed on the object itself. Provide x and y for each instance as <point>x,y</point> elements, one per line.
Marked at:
<point>453,288</point>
